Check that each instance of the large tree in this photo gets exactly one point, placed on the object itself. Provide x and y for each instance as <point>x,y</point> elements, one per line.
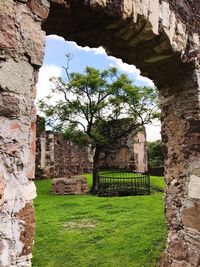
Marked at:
<point>92,103</point>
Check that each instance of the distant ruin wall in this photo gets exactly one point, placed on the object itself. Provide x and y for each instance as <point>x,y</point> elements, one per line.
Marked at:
<point>129,152</point>
<point>56,157</point>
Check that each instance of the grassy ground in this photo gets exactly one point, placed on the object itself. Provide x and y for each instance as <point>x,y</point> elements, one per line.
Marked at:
<point>89,231</point>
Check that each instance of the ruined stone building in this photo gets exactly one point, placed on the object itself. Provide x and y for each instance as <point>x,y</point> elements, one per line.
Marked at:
<point>129,152</point>
<point>60,157</point>
<point>161,37</point>
<point>57,157</point>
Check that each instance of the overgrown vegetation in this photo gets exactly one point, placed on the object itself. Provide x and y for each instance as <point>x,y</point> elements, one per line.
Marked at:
<point>89,231</point>
<point>155,153</point>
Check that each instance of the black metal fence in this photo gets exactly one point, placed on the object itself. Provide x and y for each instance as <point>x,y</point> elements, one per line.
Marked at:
<point>123,183</point>
<point>156,168</point>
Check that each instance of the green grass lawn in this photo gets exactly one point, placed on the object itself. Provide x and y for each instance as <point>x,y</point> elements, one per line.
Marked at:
<point>90,231</point>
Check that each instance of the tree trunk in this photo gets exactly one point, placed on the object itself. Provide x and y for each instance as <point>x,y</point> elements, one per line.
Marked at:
<point>95,180</point>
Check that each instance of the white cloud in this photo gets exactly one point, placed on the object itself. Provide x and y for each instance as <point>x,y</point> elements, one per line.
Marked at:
<point>123,66</point>
<point>153,131</point>
<point>55,37</point>
<point>99,50</point>
<point>131,69</point>
<point>145,79</point>
<point>44,85</point>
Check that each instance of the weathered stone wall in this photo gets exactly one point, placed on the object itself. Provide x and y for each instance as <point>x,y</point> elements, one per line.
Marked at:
<point>129,152</point>
<point>57,157</point>
<point>162,39</point>
<point>181,137</point>
<point>155,35</point>
<point>21,55</point>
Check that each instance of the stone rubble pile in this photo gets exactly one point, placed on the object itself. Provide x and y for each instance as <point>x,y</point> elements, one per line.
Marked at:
<point>69,186</point>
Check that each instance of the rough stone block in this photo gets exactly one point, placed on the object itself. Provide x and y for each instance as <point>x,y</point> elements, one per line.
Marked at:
<point>154,15</point>
<point>9,105</point>
<point>16,77</point>
<point>40,9</point>
<point>165,13</point>
<point>194,187</point>
<point>177,248</point>
<point>7,7</point>
<point>11,148</point>
<point>14,131</point>
<point>26,217</point>
<point>140,7</point>
<point>33,38</point>
<point>128,8</point>
<point>191,217</point>
<point>7,33</point>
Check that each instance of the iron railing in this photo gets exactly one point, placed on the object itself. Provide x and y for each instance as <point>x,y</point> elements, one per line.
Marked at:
<point>123,183</point>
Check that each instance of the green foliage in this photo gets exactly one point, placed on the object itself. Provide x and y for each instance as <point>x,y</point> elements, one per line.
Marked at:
<point>91,231</point>
<point>91,101</point>
<point>155,153</point>
<point>75,135</point>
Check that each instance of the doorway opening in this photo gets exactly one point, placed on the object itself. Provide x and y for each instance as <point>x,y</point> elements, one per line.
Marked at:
<point>87,230</point>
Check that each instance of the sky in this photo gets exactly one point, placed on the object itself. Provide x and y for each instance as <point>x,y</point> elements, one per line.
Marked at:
<point>54,60</point>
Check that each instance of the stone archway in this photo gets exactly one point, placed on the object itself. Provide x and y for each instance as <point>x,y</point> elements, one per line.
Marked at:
<point>162,39</point>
